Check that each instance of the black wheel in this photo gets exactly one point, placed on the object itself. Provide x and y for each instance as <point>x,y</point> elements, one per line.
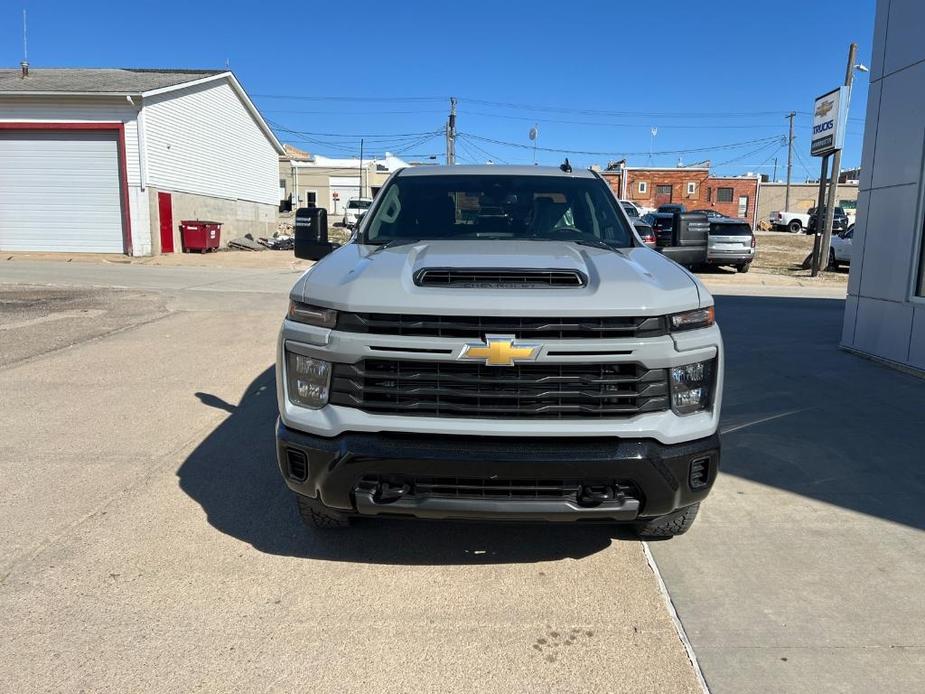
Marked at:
<point>316,515</point>
<point>833,264</point>
<point>795,226</point>
<point>744,267</point>
<point>676,523</point>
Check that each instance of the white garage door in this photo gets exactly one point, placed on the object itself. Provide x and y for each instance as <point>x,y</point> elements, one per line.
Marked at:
<point>342,189</point>
<point>59,191</point>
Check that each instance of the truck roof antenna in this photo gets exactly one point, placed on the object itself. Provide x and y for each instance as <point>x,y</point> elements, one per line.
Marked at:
<point>566,167</point>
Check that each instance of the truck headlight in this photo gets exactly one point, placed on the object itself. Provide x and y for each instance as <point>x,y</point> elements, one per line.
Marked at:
<point>691,320</point>
<point>312,315</point>
<point>692,387</point>
<point>309,380</point>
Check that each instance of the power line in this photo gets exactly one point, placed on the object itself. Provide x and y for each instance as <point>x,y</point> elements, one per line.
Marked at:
<point>748,154</point>
<point>617,125</point>
<point>732,145</point>
<point>350,113</point>
<point>485,152</point>
<point>364,99</point>
<point>648,114</point>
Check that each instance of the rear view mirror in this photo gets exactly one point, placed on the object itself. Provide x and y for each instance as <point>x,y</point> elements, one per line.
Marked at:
<point>311,233</point>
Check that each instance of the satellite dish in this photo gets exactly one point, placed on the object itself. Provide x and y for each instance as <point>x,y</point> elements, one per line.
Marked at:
<point>533,133</point>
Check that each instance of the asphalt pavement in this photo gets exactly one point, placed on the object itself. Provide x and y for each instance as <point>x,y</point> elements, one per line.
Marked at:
<point>150,544</point>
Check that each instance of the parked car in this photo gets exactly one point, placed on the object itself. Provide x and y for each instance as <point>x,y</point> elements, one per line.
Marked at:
<point>672,207</point>
<point>794,222</point>
<point>711,214</point>
<point>413,375</point>
<point>648,218</point>
<point>645,231</point>
<point>839,220</point>
<point>356,207</point>
<point>631,209</point>
<point>731,242</point>
<point>840,251</point>
<point>662,223</point>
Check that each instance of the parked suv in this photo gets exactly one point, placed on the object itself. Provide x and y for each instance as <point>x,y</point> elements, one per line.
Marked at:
<point>839,220</point>
<point>496,343</point>
<point>731,242</point>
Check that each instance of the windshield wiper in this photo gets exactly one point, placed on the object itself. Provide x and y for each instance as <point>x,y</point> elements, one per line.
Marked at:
<point>392,243</point>
<point>596,243</point>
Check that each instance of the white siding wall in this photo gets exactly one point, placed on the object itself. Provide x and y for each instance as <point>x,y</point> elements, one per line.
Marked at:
<point>885,309</point>
<point>203,140</point>
<point>75,110</point>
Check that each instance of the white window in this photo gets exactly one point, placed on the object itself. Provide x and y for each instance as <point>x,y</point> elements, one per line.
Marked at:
<point>643,187</point>
<point>691,187</point>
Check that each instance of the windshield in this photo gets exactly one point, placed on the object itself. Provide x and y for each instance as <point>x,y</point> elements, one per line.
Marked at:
<point>497,206</point>
<point>359,204</point>
<point>631,210</point>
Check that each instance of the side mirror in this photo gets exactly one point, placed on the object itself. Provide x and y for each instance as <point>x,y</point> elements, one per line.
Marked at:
<point>311,233</point>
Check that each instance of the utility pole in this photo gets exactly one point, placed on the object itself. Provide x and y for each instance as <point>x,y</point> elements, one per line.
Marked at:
<point>789,160</point>
<point>774,175</point>
<point>836,169</point>
<point>451,134</point>
<point>361,169</point>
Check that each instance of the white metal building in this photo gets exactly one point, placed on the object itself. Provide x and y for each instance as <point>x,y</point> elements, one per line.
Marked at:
<point>111,160</point>
<point>885,310</point>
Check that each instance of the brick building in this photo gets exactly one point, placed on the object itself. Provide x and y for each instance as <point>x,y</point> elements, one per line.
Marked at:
<point>695,188</point>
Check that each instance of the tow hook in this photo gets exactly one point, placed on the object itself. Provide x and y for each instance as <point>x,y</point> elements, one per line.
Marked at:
<point>594,494</point>
<point>387,491</point>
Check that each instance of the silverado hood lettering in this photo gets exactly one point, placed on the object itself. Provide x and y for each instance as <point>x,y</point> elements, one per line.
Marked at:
<point>631,281</point>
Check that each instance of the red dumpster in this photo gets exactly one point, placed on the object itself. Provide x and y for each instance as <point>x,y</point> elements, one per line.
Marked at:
<point>198,235</point>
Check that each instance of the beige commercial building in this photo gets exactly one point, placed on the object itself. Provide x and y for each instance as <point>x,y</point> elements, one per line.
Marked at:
<point>306,179</point>
<point>772,196</point>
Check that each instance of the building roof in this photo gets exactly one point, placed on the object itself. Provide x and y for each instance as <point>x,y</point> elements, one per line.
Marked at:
<point>296,153</point>
<point>96,80</point>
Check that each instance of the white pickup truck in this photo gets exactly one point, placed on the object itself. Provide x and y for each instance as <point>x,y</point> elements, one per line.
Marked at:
<point>794,222</point>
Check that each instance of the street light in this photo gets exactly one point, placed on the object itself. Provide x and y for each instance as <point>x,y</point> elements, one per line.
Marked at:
<point>860,67</point>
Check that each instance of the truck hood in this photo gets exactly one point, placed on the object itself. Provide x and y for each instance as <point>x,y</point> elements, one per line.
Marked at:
<point>632,281</point>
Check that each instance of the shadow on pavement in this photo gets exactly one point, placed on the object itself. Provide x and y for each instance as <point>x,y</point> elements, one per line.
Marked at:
<point>233,475</point>
<point>802,415</point>
<point>799,414</point>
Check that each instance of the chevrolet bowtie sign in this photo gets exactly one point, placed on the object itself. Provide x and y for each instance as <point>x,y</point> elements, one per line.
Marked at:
<point>500,350</point>
<point>829,115</point>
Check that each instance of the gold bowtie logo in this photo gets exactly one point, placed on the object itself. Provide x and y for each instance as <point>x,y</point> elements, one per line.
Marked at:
<point>500,350</point>
<point>823,109</point>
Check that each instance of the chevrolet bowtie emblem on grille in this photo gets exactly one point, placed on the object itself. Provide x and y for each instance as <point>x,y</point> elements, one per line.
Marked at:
<point>500,350</point>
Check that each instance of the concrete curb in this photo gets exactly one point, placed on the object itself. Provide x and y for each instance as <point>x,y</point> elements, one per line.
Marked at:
<point>679,627</point>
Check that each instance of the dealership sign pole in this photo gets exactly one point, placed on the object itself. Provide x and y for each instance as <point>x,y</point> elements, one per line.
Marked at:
<point>830,116</point>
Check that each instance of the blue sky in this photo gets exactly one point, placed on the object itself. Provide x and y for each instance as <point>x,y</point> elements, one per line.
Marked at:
<point>593,76</point>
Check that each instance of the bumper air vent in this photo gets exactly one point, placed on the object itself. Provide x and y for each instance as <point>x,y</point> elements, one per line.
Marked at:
<point>296,465</point>
<point>700,473</point>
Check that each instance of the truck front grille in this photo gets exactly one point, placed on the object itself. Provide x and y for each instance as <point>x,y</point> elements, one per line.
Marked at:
<point>539,390</point>
<point>608,327</point>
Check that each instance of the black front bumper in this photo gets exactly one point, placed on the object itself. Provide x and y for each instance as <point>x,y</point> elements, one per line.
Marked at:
<point>648,478</point>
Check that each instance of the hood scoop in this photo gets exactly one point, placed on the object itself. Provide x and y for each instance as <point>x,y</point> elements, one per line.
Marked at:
<point>501,278</point>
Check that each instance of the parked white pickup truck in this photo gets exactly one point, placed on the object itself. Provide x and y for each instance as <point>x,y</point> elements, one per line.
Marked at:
<point>794,222</point>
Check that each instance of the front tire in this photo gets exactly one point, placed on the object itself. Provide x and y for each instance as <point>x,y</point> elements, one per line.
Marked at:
<point>676,523</point>
<point>795,226</point>
<point>316,515</point>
